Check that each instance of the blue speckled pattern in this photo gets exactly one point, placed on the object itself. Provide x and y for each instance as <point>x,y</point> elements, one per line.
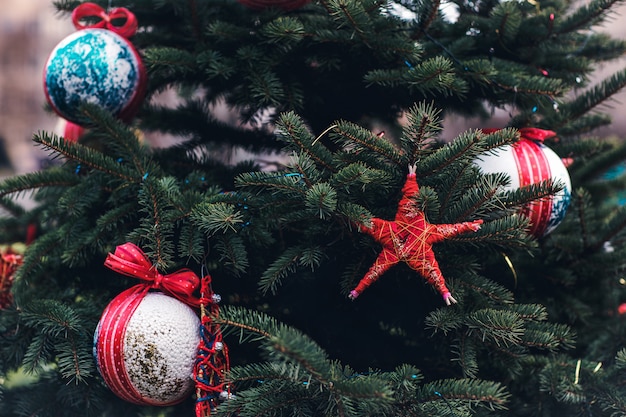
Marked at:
<point>560,203</point>
<point>92,65</point>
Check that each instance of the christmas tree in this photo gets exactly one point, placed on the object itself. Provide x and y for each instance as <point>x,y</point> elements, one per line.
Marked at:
<point>305,154</point>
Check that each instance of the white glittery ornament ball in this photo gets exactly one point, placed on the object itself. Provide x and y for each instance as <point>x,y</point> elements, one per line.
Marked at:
<point>145,348</point>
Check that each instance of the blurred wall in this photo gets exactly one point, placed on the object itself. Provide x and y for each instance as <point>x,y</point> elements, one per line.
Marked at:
<point>29,30</point>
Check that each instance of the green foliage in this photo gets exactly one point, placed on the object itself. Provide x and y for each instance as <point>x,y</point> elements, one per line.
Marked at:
<point>345,95</point>
<point>299,378</point>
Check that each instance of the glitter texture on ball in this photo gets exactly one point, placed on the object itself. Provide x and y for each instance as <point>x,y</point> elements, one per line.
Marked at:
<point>146,356</point>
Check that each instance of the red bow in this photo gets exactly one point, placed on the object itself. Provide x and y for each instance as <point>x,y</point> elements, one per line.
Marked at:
<point>126,30</point>
<point>532,133</point>
<point>129,260</point>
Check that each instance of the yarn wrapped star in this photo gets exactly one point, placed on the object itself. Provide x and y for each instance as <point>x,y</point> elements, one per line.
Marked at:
<point>409,238</point>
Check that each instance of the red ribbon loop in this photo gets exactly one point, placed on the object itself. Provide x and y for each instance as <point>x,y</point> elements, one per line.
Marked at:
<point>85,10</point>
<point>129,260</point>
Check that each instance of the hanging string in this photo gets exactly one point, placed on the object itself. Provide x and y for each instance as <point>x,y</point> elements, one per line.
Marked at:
<point>212,361</point>
<point>511,267</point>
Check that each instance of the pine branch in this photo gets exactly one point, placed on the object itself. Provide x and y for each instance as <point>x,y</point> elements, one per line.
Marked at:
<point>357,139</point>
<point>496,326</point>
<point>214,218</point>
<point>421,130</point>
<point>322,198</point>
<point>358,176</point>
<point>350,14</point>
<point>286,264</point>
<point>168,65</point>
<point>11,208</point>
<point>232,252</point>
<point>597,164</point>
<point>86,156</point>
<point>156,226</point>
<point>490,290</point>
<point>444,320</point>
<point>432,77</point>
<point>427,13</point>
<point>300,361</point>
<point>615,225</point>
<point>581,206</point>
<point>60,334</point>
<point>57,177</point>
<point>506,19</point>
<point>549,336</point>
<point>44,247</point>
<point>293,131</point>
<point>65,5</point>
<point>586,16</point>
<point>491,395</point>
<point>466,354</point>
<point>594,96</point>
<point>120,140</point>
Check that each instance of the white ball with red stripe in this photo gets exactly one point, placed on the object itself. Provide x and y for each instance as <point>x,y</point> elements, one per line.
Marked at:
<point>145,348</point>
<point>527,162</point>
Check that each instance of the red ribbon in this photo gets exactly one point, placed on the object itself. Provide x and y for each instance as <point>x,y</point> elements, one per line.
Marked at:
<point>129,260</point>
<point>538,135</point>
<point>126,30</point>
<point>532,133</point>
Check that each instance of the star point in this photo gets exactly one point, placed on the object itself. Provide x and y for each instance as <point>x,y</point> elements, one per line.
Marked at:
<point>409,239</point>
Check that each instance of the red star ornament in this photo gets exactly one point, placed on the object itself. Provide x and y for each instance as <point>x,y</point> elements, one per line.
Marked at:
<point>409,238</point>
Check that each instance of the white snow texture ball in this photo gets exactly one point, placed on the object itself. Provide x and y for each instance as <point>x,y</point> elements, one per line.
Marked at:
<point>95,66</point>
<point>159,345</point>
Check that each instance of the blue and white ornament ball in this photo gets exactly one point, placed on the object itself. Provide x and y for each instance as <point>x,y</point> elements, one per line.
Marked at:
<point>94,66</point>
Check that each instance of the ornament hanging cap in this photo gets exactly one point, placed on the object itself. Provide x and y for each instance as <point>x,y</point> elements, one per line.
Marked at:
<point>538,135</point>
<point>86,10</point>
<point>531,133</point>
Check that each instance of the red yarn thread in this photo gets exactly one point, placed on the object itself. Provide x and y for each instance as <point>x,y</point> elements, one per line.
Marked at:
<point>84,10</point>
<point>212,360</point>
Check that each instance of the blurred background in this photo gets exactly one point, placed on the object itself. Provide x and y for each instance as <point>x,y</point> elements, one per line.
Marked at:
<point>29,31</point>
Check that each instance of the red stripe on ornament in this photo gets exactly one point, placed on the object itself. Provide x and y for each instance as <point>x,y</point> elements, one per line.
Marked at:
<point>105,359</point>
<point>532,168</point>
<point>110,346</point>
<point>107,321</point>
